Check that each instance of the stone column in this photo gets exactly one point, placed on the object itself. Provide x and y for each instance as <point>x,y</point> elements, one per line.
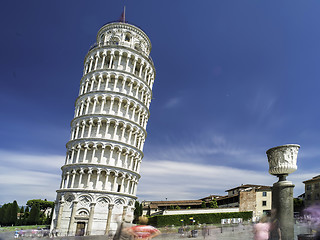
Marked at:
<point>106,181</point>
<point>88,105</point>
<point>109,219</point>
<point>73,172</point>
<point>71,223</point>
<point>77,131</point>
<point>282,205</point>
<point>93,79</point>
<point>128,184</point>
<point>67,181</point>
<point>102,104</point>
<point>111,59</point>
<point>60,213</point>
<point>114,182</point>
<point>111,105</point>
<point>94,148</point>
<point>80,177</point>
<point>107,83</point>
<point>95,101</point>
<point>103,160</point>
<point>127,63</point>
<point>98,127</point>
<point>124,212</point>
<point>98,178</point>
<point>92,205</point>
<point>107,128</point>
<point>89,177</point>
<point>115,83</point>
<point>103,60</point>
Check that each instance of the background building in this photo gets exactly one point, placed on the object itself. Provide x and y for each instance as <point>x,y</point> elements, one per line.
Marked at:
<point>101,170</point>
<point>248,197</point>
<point>312,191</point>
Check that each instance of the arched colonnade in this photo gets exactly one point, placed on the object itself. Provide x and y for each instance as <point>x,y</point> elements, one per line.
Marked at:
<point>120,60</point>
<point>104,154</point>
<point>121,83</point>
<point>112,105</point>
<point>100,179</point>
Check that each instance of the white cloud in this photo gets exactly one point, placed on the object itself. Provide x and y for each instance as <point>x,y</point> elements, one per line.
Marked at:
<point>176,180</point>
<point>25,176</point>
<point>173,102</point>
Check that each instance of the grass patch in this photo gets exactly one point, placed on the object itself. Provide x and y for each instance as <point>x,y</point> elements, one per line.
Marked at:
<point>13,228</point>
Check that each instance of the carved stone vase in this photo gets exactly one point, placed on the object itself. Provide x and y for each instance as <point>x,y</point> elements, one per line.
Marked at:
<point>283,159</point>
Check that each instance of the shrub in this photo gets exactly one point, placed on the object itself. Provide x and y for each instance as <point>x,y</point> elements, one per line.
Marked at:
<point>208,218</point>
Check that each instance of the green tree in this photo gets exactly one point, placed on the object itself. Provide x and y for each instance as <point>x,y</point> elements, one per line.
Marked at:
<point>5,214</point>
<point>177,207</point>
<point>13,213</point>
<point>25,215</point>
<point>203,204</point>
<point>137,211</point>
<point>44,205</point>
<point>298,205</point>
<point>21,215</point>
<point>34,217</point>
<point>2,215</point>
<point>171,207</point>
<point>213,204</point>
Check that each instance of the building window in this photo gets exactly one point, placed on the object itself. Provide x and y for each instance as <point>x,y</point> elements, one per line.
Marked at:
<point>308,197</point>
<point>114,41</point>
<point>264,194</point>
<point>119,188</point>
<point>309,187</point>
<point>127,38</point>
<point>316,186</point>
<point>102,38</point>
<point>317,197</point>
<point>264,203</point>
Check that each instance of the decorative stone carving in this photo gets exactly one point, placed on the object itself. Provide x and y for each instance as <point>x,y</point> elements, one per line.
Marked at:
<point>283,159</point>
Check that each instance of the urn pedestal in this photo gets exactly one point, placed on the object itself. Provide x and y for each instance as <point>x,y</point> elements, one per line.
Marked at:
<point>283,161</point>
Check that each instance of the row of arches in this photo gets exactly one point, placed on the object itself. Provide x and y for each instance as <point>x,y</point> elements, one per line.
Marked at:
<point>116,83</point>
<point>96,153</point>
<point>82,207</point>
<point>126,38</point>
<point>108,128</point>
<point>120,60</point>
<point>88,198</point>
<point>112,105</point>
<point>99,179</point>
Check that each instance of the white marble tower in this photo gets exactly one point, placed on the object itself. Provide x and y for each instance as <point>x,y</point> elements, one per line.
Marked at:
<point>101,170</point>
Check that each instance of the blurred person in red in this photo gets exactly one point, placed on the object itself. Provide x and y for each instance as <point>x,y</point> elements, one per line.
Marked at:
<point>143,231</point>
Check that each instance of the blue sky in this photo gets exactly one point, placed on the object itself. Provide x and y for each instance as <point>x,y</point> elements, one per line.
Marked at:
<point>234,78</point>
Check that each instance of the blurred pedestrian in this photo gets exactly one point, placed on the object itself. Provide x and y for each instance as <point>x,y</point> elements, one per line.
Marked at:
<point>261,229</point>
<point>205,231</point>
<point>122,230</point>
<point>275,232</point>
<point>143,231</point>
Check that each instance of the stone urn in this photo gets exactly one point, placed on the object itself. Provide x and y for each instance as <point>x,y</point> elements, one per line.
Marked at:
<point>283,159</point>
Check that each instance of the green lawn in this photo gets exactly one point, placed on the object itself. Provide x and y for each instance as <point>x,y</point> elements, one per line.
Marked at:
<point>13,228</point>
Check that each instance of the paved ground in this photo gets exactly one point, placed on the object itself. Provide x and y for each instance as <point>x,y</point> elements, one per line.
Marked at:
<point>241,232</point>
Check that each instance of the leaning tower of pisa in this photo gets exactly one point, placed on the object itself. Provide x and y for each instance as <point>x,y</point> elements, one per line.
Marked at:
<point>101,171</point>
